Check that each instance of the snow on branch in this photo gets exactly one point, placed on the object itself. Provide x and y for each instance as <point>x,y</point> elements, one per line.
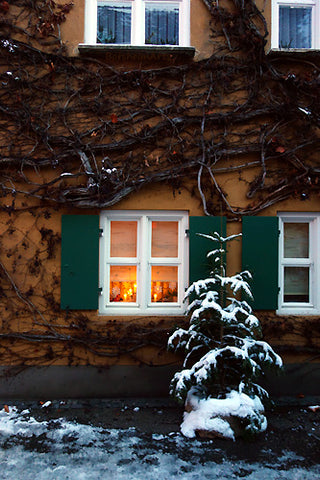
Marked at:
<point>238,282</point>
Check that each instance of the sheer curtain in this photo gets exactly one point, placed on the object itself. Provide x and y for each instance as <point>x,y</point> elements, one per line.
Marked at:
<point>114,23</point>
<point>295,27</point>
<point>161,24</point>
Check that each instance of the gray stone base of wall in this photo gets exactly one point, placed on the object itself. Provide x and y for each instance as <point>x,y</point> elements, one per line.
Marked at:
<point>56,382</point>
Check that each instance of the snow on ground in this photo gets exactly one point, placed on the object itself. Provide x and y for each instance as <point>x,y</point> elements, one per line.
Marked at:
<point>64,450</point>
<point>212,414</point>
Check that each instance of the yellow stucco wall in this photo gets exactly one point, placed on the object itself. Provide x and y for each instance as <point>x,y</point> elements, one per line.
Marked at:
<point>35,276</point>
<point>26,274</point>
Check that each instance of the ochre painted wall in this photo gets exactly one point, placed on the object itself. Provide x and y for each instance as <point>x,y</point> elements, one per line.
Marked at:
<point>31,275</point>
<point>37,276</point>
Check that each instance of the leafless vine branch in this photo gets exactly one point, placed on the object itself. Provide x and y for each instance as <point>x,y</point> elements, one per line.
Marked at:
<point>79,133</point>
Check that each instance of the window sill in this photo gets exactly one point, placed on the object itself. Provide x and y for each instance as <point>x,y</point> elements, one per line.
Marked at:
<point>298,312</point>
<point>133,50</point>
<point>137,313</point>
<point>293,52</point>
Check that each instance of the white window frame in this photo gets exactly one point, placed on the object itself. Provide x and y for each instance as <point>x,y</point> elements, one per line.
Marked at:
<point>315,22</point>
<point>137,22</point>
<point>313,262</point>
<point>144,262</point>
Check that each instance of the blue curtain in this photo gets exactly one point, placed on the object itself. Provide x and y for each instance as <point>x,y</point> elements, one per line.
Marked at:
<point>114,24</point>
<point>161,24</point>
<point>295,27</point>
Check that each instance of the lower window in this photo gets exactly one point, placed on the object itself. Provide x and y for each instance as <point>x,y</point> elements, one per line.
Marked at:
<point>143,262</point>
<point>299,270</point>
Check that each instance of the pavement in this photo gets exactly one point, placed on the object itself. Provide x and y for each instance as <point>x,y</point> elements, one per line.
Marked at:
<point>293,423</point>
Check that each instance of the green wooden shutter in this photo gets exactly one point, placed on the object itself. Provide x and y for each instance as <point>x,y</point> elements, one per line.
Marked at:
<point>260,256</point>
<point>199,267</point>
<point>79,262</point>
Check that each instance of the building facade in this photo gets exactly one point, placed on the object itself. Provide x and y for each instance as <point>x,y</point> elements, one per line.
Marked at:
<point>127,128</point>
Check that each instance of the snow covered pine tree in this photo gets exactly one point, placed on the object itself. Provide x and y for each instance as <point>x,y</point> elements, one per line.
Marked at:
<point>223,355</point>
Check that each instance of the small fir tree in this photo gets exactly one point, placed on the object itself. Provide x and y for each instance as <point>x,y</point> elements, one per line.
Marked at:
<point>224,354</point>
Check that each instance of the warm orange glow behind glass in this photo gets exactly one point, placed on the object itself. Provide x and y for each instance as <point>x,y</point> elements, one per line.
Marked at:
<point>123,283</point>
<point>164,284</point>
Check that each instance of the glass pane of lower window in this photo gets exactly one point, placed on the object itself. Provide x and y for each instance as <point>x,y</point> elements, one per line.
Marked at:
<point>114,22</point>
<point>164,239</point>
<point>164,284</point>
<point>296,284</point>
<point>295,27</point>
<point>123,239</point>
<point>123,283</point>
<point>296,240</point>
<point>162,24</point>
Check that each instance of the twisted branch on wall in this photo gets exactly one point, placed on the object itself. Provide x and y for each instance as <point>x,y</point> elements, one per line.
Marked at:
<point>77,132</point>
<point>105,133</point>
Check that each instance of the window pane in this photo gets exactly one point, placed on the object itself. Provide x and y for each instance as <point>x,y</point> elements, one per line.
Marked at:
<point>296,240</point>
<point>114,22</point>
<point>123,239</point>
<point>164,239</point>
<point>296,284</point>
<point>123,283</point>
<point>162,24</point>
<point>164,284</point>
<point>295,27</point>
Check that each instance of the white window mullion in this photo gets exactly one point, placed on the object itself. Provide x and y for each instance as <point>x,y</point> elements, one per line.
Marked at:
<point>275,25</point>
<point>183,258</point>
<point>90,18</point>
<point>281,269</point>
<point>313,261</point>
<point>137,22</point>
<point>144,262</point>
<point>316,25</point>
<point>184,23</point>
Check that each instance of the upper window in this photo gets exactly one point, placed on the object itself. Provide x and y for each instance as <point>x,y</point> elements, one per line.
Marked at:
<point>143,262</point>
<point>299,272</point>
<point>295,24</point>
<point>137,22</point>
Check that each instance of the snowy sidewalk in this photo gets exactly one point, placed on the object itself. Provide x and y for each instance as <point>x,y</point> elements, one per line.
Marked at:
<point>135,440</point>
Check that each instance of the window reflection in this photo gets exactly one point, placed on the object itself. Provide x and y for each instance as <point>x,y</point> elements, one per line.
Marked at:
<point>296,284</point>
<point>295,27</point>
<point>162,23</point>
<point>296,240</point>
<point>114,22</point>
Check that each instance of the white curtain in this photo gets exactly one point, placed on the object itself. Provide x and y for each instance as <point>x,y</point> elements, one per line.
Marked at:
<point>161,24</point>
<point>114,24</point>
<point>295,27</point>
